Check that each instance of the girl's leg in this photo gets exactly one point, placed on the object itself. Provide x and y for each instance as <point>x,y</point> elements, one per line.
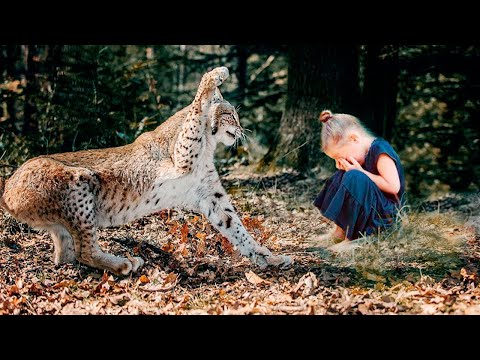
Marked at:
<point>358,206</point>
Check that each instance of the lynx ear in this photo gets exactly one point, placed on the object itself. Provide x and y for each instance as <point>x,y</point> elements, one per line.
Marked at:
<point>214,128</point>
<point>213,117</point>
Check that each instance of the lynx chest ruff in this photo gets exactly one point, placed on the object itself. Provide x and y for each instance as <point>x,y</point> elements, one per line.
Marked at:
<point>185,192</point>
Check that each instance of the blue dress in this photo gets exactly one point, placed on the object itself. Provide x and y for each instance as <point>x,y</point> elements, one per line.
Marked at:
<point>355,203</point>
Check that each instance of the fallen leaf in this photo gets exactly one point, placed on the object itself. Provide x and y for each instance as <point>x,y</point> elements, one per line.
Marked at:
<point>168,247</point>
<point>227,246</point>
<point>63,283</point>
<point>467,276</point>
<point>363,309</point>
<point>201,236</point>
<point>429,309</point>
<point>170,282</point>
<point>173,228</point>
<point>310,283</point>
<point>171,277</point>
<point>255,279</point>
<point>120,300</point>
<point>144,279</point>
<point>184,233</point>
<point>182,249</point>
<point>13,290</point>
<point>387,299</point>
<point>34,289</point>
<point>19,283</point>
<point>374,277</point>
<point>201,248</point>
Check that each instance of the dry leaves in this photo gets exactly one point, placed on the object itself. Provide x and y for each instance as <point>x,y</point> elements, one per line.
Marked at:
<point>308,282</point>
<point>191,269</point>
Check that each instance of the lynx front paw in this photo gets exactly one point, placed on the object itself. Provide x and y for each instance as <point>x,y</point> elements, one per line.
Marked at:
<point>137,263</point>
<point>279,260</point>
<point>217,76</point>
<point>263,258</point>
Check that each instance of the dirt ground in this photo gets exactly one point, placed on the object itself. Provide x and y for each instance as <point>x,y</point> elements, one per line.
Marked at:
<point>190,269</point>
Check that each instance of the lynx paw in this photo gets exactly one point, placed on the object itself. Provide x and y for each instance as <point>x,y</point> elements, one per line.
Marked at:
<point>132,264</point>
<point>66,257</point>
<point>279,260</point>
<point>137,263</point>
<point>264,257</point>
<point>217,76</point>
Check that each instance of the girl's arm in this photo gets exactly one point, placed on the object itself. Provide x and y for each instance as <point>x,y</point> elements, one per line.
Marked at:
<point>387,180</point>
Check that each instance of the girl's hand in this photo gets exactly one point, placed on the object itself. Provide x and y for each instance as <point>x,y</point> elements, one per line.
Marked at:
<point>338,165</point>
<point>351,164</point>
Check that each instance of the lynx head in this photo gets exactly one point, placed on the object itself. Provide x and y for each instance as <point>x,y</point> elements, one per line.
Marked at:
<point>225,123</point>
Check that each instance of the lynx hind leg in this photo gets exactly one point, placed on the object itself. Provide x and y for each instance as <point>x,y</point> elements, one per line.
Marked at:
<point>222,215</point>
<point>82,226</point>
<point>88,251</point>
<point>64,246</point>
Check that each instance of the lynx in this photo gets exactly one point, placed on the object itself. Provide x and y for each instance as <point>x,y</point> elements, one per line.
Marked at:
<point>73,194</point>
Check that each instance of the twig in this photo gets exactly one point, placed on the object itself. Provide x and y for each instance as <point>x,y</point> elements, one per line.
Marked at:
<point>298,147</point>
<point>265,65</point>
<point>8,165</point>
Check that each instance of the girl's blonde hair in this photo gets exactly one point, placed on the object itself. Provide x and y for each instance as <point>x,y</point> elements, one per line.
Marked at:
<point>337,127</point>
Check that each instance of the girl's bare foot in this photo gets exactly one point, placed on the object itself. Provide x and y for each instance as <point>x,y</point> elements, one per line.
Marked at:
<point>344,246</point>
<point>338,235</point>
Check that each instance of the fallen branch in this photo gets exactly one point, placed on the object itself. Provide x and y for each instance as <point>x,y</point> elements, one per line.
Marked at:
<point>131,243</point>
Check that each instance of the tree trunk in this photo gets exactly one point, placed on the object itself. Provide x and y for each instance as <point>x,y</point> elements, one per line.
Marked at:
<point>181,69</point>
<point>30,121</point>
<point>380,89</point>
<point>10,71</point>
<point>241,72</point>
<point>319,77</point>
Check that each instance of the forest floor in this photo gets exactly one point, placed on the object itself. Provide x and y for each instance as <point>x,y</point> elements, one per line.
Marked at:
<point>429,264</point>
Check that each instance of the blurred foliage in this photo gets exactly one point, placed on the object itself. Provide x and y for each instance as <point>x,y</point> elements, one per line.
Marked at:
<point>56,98</point>
<point>101,96</point>
<point>437,129</point>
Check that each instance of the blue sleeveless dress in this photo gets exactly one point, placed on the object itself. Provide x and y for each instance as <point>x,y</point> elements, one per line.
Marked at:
<point>353,201</point>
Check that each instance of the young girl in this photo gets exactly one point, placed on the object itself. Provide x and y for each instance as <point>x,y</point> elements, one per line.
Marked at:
<point>369,187</point>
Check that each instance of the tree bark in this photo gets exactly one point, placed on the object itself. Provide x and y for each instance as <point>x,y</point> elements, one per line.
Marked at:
<point>380,90</point>
<point>241,72</point>
<point>319,77</point>
<point>10,72</point>
<point>30,120</point>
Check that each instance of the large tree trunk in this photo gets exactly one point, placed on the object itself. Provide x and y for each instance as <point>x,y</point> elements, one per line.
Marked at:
<point>8,68</point>
<point>319,77</point>
<point>242,55</point>
<point>30,116</point>
<point>380,89</point>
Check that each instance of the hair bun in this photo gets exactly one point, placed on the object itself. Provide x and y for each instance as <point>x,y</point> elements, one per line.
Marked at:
<point>325,116</point>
